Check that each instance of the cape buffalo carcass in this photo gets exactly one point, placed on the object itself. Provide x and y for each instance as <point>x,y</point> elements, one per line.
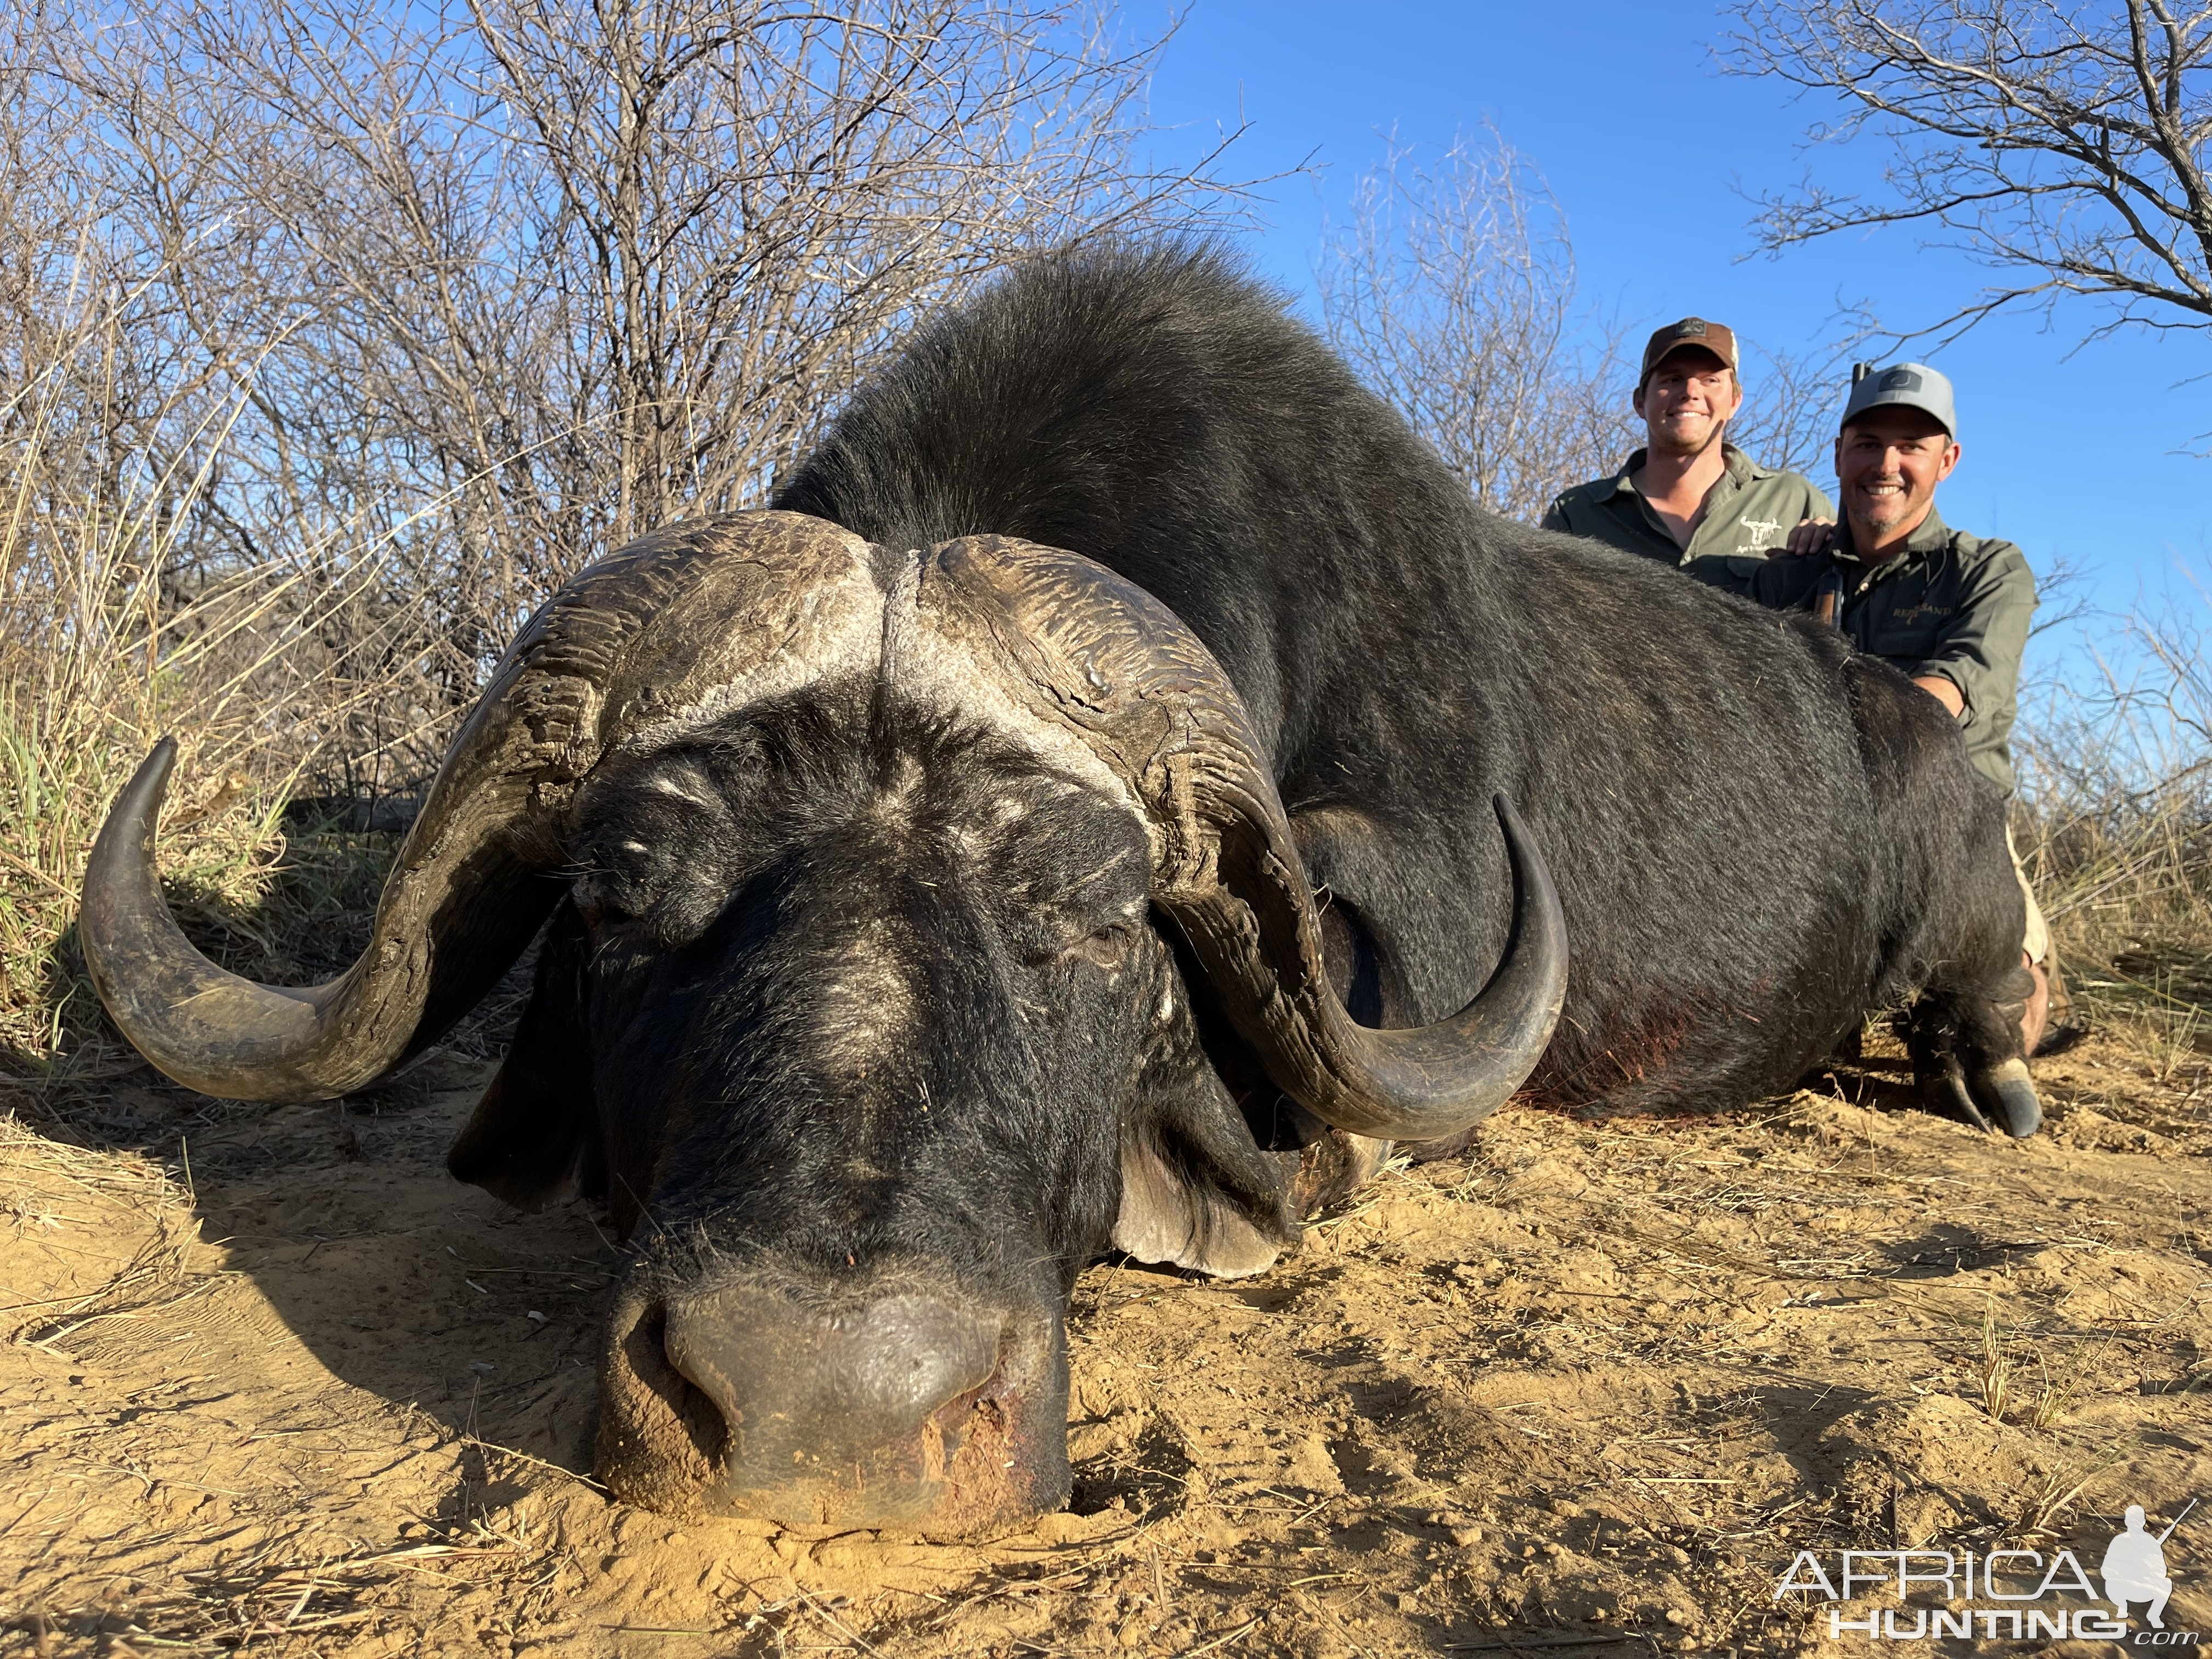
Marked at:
<point>1089,810</point>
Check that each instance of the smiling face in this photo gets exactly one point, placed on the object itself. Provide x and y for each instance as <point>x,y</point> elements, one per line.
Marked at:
<point>1687,402</point>
<point>1888,461</point>
<point>862,1026</point>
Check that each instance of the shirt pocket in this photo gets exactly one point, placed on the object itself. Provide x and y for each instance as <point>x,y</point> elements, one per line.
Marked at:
<point>1730,573</point>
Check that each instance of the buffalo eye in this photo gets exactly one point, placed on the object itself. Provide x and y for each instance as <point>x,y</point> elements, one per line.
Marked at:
<point>1108,947</point>
<point>620,880</point>
<point>627,882</point>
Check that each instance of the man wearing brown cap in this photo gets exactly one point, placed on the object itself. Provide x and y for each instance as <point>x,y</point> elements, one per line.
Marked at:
<point>1688,493</point>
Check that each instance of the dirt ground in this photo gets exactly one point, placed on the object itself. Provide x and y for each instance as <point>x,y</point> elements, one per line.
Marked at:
<point>276,1384</point>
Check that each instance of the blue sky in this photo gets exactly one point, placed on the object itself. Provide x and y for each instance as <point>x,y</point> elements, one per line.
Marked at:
<point>1650,149</point>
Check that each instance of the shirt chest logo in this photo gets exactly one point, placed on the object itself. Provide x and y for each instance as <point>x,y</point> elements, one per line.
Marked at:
<point>1761,527</point>
<point>1925,610</point>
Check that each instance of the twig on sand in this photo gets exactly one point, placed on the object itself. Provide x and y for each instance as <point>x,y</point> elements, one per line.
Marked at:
<point>1222,1641</point>
<point>834,1621</point>
<point>491,1447</point>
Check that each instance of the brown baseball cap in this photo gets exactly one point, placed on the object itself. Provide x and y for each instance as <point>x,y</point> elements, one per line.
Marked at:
<point>1716,337</point>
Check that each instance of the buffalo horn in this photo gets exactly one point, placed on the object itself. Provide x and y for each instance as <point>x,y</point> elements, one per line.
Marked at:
<point>642,640</point>
<point>1095,657</point>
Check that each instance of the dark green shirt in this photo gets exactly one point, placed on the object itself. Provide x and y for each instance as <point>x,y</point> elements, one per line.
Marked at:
<point>1749,509</point>
<point>1950,603</point>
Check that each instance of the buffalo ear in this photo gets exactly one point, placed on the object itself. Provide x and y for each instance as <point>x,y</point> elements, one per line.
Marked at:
<point>1196,1189</point>
<point>534,1138</point>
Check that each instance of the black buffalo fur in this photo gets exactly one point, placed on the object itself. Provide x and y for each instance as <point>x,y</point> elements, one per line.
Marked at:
<point>852,1008</point>
<point>1757,837</point>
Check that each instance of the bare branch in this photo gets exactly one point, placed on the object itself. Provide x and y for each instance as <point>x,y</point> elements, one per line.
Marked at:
<point>2065,146</point>
<point>1452,291</point>
<point>436,305</point>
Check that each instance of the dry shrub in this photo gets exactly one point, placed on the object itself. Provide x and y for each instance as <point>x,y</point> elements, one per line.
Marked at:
<point>2115,823</point>
<point>331,341</point>
<point>1452,290</point>
<point>102,650</point>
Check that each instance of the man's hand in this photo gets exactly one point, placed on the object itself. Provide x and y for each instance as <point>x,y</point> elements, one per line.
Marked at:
<point>1940,688</point>
<point>1811,536</point>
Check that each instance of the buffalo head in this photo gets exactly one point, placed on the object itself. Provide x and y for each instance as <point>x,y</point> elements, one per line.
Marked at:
<point>880,886</point>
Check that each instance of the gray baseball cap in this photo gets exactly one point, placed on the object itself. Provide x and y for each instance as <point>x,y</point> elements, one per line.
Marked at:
<point>1915,386</point>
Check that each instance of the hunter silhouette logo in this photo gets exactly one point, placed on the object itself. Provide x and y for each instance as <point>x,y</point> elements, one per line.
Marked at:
<point>2135,1567</point>
<point>1998,1595</point>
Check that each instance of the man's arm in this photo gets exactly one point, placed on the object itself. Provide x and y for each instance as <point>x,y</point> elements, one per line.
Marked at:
<point>1555,516</point>
<point>1977,656</point>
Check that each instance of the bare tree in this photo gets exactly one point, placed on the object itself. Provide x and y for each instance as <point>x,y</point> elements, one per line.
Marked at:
<point>1452,290</point>
<point>1792,402</point>
<point>453,300</point>
<point>757,193</point>
<point>2066,146</point>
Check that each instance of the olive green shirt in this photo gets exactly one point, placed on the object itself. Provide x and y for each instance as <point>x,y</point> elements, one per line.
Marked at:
<point>1749,510</point>
<point>1949,604</point>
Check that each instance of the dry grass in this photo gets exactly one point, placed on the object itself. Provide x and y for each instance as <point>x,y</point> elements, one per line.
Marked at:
<point>58,1205</point>
<point>285,1605</point>
<point>2115,828</point>
<point>1995,1368</point>
<point>314,383</point>
<point>2060,1388</point>
<point>103,650</point>
<point>2020,1376</point>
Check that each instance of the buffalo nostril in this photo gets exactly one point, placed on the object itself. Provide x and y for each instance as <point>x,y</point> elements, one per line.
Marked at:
<point>655,1424</point>
<point>806,1391</point>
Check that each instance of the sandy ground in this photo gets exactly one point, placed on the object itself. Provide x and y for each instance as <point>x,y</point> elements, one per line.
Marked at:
<point>276,1384</point>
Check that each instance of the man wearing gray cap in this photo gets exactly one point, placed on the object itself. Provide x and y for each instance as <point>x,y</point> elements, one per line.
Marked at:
<point>1689,493</point>
<point>1948,608</point>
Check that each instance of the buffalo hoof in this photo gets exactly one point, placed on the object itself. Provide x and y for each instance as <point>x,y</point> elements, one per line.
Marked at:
<point>2000,1094</point>
<point>2006,1092</point>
